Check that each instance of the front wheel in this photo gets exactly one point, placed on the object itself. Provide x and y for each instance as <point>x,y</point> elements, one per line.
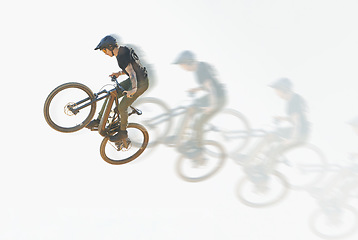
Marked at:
<point>61,104</point>
<point>125,151</point>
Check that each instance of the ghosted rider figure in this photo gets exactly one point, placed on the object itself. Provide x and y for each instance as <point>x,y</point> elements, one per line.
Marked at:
<point>135,85</point>
<point>296,109</point>
<point>214,98</point>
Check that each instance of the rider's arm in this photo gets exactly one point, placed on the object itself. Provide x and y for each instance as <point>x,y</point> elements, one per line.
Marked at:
<point>117,74</point>
<point>132,75</point>
<point>282,118</point>
<point>197,89</point>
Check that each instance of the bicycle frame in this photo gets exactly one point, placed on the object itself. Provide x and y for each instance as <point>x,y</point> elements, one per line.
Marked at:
<point>269,163</point>
<point>191,110</point>
<point>164,117</point>
<point>111,96</point>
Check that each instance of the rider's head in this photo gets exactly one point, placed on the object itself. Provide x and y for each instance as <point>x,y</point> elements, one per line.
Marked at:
<point>108,45</point>
<point>283,87</point>
<point>186,60</point>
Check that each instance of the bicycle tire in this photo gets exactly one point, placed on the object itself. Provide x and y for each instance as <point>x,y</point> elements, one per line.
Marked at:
<point>143,146</point>
<point>57,90</point>
<point>240,189</point>
<point>305,179</point>
<point>221,154</point>
<point>318,213</point>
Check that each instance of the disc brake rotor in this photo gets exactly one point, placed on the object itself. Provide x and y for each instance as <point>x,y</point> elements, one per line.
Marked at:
<point>67,107</point>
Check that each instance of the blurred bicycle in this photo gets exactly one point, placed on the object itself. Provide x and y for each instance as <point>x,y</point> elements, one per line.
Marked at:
<point>271,170</point>
<point>336,217</point>
<point>228,131</point>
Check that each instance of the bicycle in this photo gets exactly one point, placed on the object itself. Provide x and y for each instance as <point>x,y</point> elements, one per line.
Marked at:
<point>264,183</point>
<point>336,217</point>
<point>229,126</point>
<point>79,105</point>
<point>159,118</point>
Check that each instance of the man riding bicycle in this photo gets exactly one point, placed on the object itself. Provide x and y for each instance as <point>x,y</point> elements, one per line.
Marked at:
<point>296,116</point>
<point>135,85</point>
<point>215,95</point>
<point>291,130</point>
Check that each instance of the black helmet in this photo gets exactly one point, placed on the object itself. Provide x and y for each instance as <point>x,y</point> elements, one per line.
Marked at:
<point>108,42</point>
<point>185,57</point>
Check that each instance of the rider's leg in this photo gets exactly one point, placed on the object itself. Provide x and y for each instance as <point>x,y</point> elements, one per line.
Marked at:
<point>199,126</point>
<point>205,117</point>
<point>126,84</point>
<point>286,145</point>
<point>260,147</point>
<point>123,109</point>
<point>177,138</point>
<point>126,102</point>
<point>281,149</point>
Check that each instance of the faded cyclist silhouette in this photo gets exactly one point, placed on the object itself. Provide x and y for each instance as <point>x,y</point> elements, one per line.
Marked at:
<point>336,216</point>
<point>205,131</point>
<point>275,162</point>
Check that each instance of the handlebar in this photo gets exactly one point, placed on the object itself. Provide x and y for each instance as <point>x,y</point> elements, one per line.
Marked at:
<point>114,79</point>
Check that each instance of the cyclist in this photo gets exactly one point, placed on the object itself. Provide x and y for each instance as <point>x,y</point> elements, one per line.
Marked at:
<point>135,85</point>
<point>296,115</point>
<point>291,136</point>
<point>212,101</point>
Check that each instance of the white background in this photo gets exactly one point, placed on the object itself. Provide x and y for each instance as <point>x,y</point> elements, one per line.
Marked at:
<point>56,186</point>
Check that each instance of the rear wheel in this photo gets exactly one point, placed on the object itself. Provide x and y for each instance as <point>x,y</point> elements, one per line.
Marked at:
<point>193,167</point>
<point>60,106</point>
<point>260,189</point>
<point>125,151</point>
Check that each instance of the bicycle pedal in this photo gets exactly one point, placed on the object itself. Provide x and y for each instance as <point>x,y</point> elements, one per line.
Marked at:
<point>124,144</point>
